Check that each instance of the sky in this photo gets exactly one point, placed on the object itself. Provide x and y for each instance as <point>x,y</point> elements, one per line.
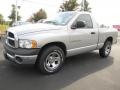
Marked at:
<point>105,11</point>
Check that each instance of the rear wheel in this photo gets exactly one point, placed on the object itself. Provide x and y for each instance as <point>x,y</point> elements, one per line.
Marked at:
<point>106,49</point>
<point>51,60</point>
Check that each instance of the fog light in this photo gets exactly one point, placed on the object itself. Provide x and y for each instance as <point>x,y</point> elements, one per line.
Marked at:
<point>19,60</point>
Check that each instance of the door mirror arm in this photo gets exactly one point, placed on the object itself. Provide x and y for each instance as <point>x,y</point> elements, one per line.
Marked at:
<point>73,27</point>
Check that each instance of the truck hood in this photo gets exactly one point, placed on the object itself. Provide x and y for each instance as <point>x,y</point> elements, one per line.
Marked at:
<point>32,28</point>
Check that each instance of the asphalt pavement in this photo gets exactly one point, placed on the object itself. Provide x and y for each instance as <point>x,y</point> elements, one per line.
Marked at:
<point>82,72</point>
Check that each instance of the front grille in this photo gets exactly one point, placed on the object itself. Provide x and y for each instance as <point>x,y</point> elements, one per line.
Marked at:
<point>11,39</point>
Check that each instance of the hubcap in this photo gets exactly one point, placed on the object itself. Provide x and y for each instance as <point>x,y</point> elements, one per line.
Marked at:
<point>108,49</point>
<point>53,61</point>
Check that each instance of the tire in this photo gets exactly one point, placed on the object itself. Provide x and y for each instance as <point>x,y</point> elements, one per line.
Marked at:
<point>106,49</point>
<point>51,60</point>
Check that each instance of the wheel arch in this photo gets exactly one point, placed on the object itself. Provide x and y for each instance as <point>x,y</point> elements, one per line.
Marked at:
<point>59,44</point>
<point>110,38</point>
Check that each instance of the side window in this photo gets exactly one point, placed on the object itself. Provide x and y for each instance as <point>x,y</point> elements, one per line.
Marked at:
<point>87,19</point>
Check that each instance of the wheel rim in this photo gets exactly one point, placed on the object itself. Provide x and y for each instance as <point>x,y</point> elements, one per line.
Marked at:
<point>108,49</point>
<point>53,61</point>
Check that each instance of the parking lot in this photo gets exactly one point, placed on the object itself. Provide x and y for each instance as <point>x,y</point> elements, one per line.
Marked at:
<point>82,72</point>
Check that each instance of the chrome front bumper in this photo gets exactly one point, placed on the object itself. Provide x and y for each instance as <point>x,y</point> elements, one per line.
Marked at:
<point>20,59</point>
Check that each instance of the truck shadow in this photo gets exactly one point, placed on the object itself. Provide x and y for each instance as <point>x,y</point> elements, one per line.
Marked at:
<point>28,78</point>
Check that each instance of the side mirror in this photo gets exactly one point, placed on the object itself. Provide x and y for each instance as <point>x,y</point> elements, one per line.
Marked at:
<point>80,24</point>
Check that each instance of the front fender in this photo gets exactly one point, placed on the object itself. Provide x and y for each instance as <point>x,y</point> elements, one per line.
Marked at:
<point>44,38</point>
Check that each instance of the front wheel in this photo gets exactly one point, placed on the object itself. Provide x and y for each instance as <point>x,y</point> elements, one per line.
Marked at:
<point>51,60</point>
<point>106,49</point>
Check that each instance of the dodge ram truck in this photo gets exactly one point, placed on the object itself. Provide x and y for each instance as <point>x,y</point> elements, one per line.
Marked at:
<point>47,44</point>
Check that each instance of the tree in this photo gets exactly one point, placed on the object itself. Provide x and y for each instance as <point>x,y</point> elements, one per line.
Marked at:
<point>30,19</point>
<point>2,21</point>
<point>85,7</point>
<point>1,17</point>
<point>41,14</point>
<point>70,5</point>
<point>13,14</point>
<point>103,26</point>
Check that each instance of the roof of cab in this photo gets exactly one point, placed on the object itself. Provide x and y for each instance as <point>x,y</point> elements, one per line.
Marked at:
<point>79,12</point>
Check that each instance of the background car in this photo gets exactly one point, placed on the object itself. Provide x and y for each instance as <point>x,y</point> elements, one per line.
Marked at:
<point>41,21</point>
<point>18,23</point>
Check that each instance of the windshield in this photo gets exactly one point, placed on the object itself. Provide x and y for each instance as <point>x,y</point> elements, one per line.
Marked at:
<point>61,18</point>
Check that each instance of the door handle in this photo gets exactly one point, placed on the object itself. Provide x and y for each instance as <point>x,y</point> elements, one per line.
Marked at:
<point>93,33</point>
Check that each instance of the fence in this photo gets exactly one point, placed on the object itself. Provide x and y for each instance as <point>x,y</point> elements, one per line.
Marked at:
<point>3,29</point>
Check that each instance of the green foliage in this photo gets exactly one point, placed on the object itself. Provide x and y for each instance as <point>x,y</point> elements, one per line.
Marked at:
<point>41,14</point>
<point>13,14</point>
<point>70,5</point>
<point>86,6</point>
<point>2,21</point>
<point>3,28</point>
<point>1,17</point>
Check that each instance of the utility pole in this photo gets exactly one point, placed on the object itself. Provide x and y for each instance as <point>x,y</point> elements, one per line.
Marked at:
<point>16,10</point>
<point>83,5</point>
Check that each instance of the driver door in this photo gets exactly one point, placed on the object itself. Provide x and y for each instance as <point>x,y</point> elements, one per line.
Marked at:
<point>85,38</point>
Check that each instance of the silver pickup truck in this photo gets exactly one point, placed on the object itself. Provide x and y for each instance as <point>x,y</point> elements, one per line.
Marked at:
<point>47,44</point>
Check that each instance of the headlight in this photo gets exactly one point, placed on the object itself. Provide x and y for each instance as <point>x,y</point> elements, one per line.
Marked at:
<point>27,43</point>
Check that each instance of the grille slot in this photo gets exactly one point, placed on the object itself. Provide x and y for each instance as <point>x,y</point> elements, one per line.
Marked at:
<point>11,42</point>
<point>10,35</point>
<point>11,39</point>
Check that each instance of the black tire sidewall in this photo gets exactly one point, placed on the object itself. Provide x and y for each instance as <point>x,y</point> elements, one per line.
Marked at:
<point>103,49</point>
<point>44,54</point>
